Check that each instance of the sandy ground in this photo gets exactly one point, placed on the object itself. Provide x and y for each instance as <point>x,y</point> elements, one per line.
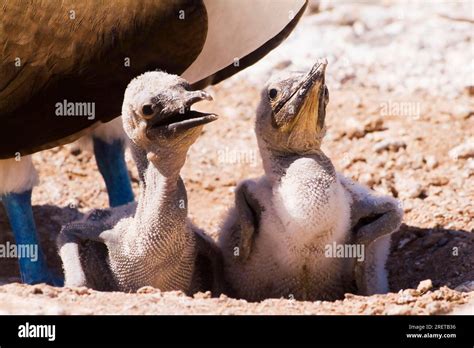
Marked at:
<point>400,120</point>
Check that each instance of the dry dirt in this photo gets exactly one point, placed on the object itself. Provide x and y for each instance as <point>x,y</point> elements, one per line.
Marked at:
<point>400,120</point>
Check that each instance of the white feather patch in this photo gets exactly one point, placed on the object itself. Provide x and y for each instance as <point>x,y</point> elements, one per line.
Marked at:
<point>376,272</point>
<point>17,176</point>
<point>108,132</point>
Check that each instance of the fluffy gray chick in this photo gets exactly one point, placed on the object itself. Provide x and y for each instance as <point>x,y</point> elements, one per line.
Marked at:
<point>152,242</point>
<point>284,236</point>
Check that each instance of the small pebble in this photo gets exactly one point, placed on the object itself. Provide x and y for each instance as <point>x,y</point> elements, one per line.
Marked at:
<point>464,150</point>
<point>424,286</point>
<point>439,181</point>
<point>390,145</point>
<point>82,290</point>
<point>466,287</point>
<point>399,310</point>
<point>367,179</point>
<point>463,112</point>
<point>431,162</point>
<point>147,290</point>
<point>407,187</point>
<point>202,295</point>
<point>36,290</point>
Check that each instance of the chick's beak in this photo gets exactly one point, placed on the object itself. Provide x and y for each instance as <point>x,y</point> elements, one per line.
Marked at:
<point>178,116</point>
<point>306,99</point>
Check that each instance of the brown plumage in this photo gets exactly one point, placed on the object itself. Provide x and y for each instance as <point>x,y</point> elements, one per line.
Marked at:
<point>82,59</point>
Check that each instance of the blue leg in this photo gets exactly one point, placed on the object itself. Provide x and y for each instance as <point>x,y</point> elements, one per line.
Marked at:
<point>34,269</point>
<point>111,162</point>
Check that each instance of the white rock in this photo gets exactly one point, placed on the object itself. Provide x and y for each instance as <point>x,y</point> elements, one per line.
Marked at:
<point>367,179</point>
<point>431,162</point>
<point>403,242</point>
<point>464,150</point>
<point>398,310</point>
<point>389,144</point>
<point>354,128</point>
<point>466,286</point>
<point>407,187</point>
<point>462,111</point>
<point>424,286</point>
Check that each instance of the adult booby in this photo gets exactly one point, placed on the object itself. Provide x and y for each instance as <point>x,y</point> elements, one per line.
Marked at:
<point>65,66</point>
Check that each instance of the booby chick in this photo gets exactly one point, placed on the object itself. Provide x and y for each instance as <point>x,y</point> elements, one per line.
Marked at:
<point>152,242</point>
<point>303,231</point>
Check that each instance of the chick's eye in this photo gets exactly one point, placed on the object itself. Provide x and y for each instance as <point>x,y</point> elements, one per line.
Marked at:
<point>272,93</point>
<point>147,110</point>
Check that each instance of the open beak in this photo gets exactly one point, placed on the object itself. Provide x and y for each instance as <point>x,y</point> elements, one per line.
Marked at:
<point>306,97</point>
<point>179,117</point>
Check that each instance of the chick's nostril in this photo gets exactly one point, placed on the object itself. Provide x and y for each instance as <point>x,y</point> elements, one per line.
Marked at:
<point>326,94</point>
<point>197,96</point>
<point>206,96</point>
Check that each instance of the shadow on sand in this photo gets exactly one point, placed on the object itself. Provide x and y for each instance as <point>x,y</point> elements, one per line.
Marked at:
<point>49,219</point>
<point>444,256</point>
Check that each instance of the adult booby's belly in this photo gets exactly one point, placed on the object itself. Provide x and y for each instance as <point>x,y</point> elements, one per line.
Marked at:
<point>84,65</point>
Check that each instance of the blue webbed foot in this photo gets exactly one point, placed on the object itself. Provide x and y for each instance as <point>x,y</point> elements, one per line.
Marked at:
<point>111,162</point>
<point>33,267</point>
